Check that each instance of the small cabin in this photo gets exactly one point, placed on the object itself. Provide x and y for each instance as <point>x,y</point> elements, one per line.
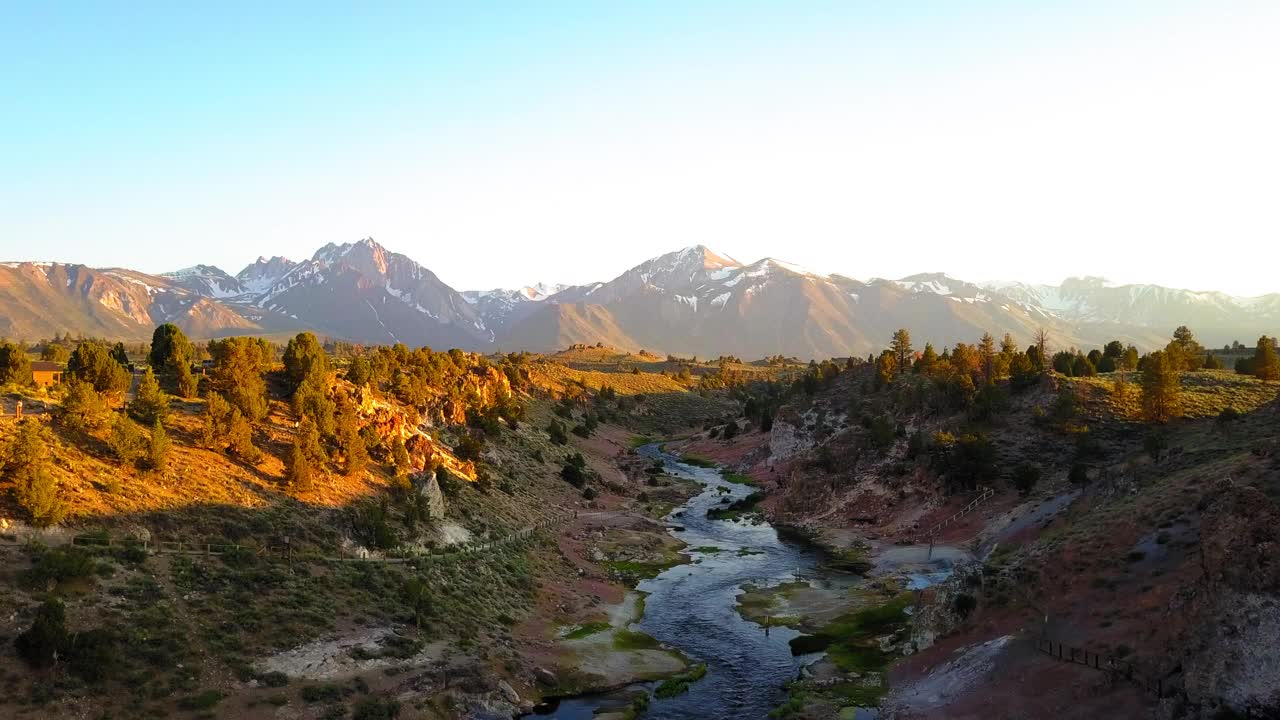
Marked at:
<point>45,373</point>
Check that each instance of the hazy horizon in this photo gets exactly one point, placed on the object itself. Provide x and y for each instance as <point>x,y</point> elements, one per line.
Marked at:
<point>504,145</point>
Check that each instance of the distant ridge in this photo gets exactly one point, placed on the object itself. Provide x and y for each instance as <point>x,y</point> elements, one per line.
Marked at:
<point>690,301</point>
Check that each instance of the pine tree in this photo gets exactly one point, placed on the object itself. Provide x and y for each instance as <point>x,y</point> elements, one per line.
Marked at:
<point>1161,389</point>
<point>15,366</point>
<point>126,441</point>
<point>170,351</point>
<point>347,433</point>
<point>987,357</point>
<point>1042,349</point>
<point>150,404</point>
<point>928,360</point>
<point>304,358</point>
<point>217,410</point>
<point>240,438</point>
<point>400,456</point>
<point>26,465</point>
<point>238,365</point>
<point>94,364</point>
<point>158,449</point>
<point>83,408</point>
<point>1266,363</point>
<point>188,386</point>
<point>1184,352</point>
<point>902,352</point>
<point>1129,361</point>
<point>297,470</point>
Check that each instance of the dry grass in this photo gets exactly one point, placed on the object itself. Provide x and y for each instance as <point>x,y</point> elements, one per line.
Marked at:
<point>1205,394</point>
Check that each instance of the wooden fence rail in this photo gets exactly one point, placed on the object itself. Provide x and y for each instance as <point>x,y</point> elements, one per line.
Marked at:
<point>1118,668</point>
<point>986,494</point>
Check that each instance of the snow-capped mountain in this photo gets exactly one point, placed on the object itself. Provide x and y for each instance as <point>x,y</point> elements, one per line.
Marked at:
<point>692,301</point>
<point>1093,300</point>
<point>38,300</point>
<point>500,307</point>
<point>261,274</point>
<point>364,292</point>
<point>206,280</point>
<point>696,301</point>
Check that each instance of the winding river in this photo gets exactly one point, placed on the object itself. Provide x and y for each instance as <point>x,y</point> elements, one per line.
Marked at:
<point>693,608</point>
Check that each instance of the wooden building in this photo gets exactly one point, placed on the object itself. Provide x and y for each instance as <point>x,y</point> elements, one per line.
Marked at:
<point>45,373</point>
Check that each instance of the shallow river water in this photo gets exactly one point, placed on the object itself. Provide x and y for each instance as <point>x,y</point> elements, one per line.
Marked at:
<point>693,608</point>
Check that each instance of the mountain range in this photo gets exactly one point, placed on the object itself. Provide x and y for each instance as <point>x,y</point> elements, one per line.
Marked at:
<point>692,301</point>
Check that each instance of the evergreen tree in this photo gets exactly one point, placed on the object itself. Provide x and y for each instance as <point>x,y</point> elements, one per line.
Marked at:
<point>928,360</point>
<point>94,364</point>
<point>347,434</point>
<point>1161,389</point>
<point>400,456</point>
<point>1211,362</point>
<point>216,412</point>
<point>27,467</point>
<point>119,354</point>
<point>170,350</point>
<point>359,372</point>
<point>886,368</point>
<point>1023,372</point>
<point>1266,362</point>
<point>238,365</point>
<point>306,457</point>
<point>1042,349</point>
<point>240,438</point>
<point>1130,359</point>
<point>126,441</point>
<point>150,403</point>
<point>987,357</point>
<point>186,383</point>
<point>55,352</point>
<point>297,471</point>
<point>305,358</point>
<point>1184,352</point>
<point>900,345</point>
<point>158,448</point>
<point>40,645</point>
<point>15,366</point>
<point>83,408</point>
<point>1081,367</point>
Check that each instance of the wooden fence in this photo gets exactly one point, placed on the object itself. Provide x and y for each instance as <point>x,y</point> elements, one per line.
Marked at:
<point>1118,668</point>
<point>986,494</point>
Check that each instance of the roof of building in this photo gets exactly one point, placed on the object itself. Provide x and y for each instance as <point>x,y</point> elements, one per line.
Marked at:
<point>45,366</point>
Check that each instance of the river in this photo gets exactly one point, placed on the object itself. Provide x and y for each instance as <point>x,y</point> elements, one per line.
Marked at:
<point>693,608</point>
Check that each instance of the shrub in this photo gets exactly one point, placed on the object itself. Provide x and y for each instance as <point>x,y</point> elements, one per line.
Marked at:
<point>574,475</point>
<point>375,708</point>
<point>469,448</point>
<point>557,433</point>
<point>1025,477</point>
<point>964,604</point>
<point>41,643</point>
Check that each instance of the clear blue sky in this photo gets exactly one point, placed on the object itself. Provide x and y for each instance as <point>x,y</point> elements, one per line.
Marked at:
<point>504,143</point>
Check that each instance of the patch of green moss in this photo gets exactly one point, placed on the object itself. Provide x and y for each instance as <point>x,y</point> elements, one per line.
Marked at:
<point>631,640</point>
<point>586,630</point>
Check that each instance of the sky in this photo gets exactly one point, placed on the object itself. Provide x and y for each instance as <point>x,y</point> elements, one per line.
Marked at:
<point>502,144</point>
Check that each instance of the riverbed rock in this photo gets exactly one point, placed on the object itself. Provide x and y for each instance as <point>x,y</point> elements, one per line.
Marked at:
<point>545,677</point>
<point>508,692</point>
